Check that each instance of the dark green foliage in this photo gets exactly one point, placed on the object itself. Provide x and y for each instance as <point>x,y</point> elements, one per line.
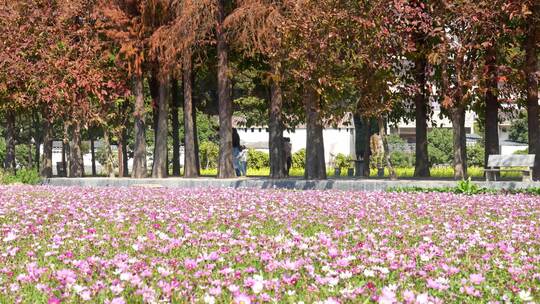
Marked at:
<point>299,159</point>
<point>475,155</point>
<point>440,146</point>
<point>519,129</point>
<point>402,159</point>
<point>342,161</point>
<point>208,153</point>
<point>258,159</point>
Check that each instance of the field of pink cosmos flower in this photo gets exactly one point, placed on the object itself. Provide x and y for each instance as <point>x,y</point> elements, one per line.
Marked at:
<point>141,245</point>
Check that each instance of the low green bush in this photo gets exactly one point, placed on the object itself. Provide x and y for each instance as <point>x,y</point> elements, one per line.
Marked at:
<point>22,176</point>
<point>299,159</point>
<point>342,161</point>
<point>258,159</point>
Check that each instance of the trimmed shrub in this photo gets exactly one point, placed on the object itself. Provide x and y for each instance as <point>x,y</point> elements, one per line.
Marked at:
<point>299,159</point>
<point>258,159</point>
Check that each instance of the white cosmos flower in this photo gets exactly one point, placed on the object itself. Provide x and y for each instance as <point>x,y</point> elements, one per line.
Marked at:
<point>208,299</point>
<point>369,273</point>
<point>525,296</point>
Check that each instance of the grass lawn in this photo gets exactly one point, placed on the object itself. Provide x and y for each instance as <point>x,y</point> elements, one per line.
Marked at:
<point>408,172</point>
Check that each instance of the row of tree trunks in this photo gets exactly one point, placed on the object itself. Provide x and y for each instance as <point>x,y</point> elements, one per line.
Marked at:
<point>191,159</point>
<point>421,168</point>
<point>225,159</point>
<point>491,128</point>
<point>531,73</point>
<point>175,123</point>
<point>275,126</point>
<point>160,165</point>
<point>315,163</point>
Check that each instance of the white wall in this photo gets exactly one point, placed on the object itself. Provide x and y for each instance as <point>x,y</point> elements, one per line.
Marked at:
<point>335,140</point>
<point>507,150</point>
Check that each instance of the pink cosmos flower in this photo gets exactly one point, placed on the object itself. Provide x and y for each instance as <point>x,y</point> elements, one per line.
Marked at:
<point>388,296</point>
<point>53,300</point>
<point>242,299</point>
<point>476,278</point>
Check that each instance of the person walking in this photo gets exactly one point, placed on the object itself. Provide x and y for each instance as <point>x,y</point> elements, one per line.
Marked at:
<point>243,157</point>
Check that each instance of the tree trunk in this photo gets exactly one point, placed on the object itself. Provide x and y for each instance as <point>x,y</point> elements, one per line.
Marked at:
<point>491,135</point>
<point>382,134</point>
<point>315,164</point>
<point>75,154</point>
<point>140,167</point>
<point>421,168</point>
<point>275,140</point>
<point>175,122</point>
<point>459,142</point>
<point>120,151</point>
<point>46,170</point>
<point>160,166</point>
<point>9,160</point>
<point>531,72</point>
<point>123,139</point>
<point>225,161</point>
<point>109,162</point>
<point>65,151</point>
<point>196,137</point>
<point>38,136</point>
<point>191,168</point>
<point>93,153</point>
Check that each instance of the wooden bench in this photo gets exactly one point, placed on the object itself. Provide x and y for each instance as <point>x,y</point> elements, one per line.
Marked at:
<point>510,163</point>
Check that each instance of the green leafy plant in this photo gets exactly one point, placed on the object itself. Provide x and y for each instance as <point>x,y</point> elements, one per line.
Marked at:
<point>258,159</point>
<point>22,176</point>
<point>467,187</point>
<point>342,161</point>
<point>299,159</point>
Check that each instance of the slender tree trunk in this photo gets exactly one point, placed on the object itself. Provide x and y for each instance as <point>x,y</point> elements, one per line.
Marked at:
<point>9,160</point>
<point>315,163</point>
<point>93,153</point>
<point>460,142</point>
<point>30,158</point>
<point>123,138</point>
<point>46,169</point>
<point>160,166</point>
<point>75,153</point>
<point>190,147</point>
<point>38,137</point>
<point>531,72</point>
<point>175,122</point>
<point>195,132</point>
<point>121,168</point>
<point>275,140</point>
<point>421,168</point>
<point>491,135</point>
<point>225,161</point>
<point>140,167</point>
<point>109,162</point>
<point>65,151</point>
<point>366,155</point>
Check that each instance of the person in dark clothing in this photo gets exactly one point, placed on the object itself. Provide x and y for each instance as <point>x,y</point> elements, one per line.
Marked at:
<point>236,151</point>
<point>287,151</point>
